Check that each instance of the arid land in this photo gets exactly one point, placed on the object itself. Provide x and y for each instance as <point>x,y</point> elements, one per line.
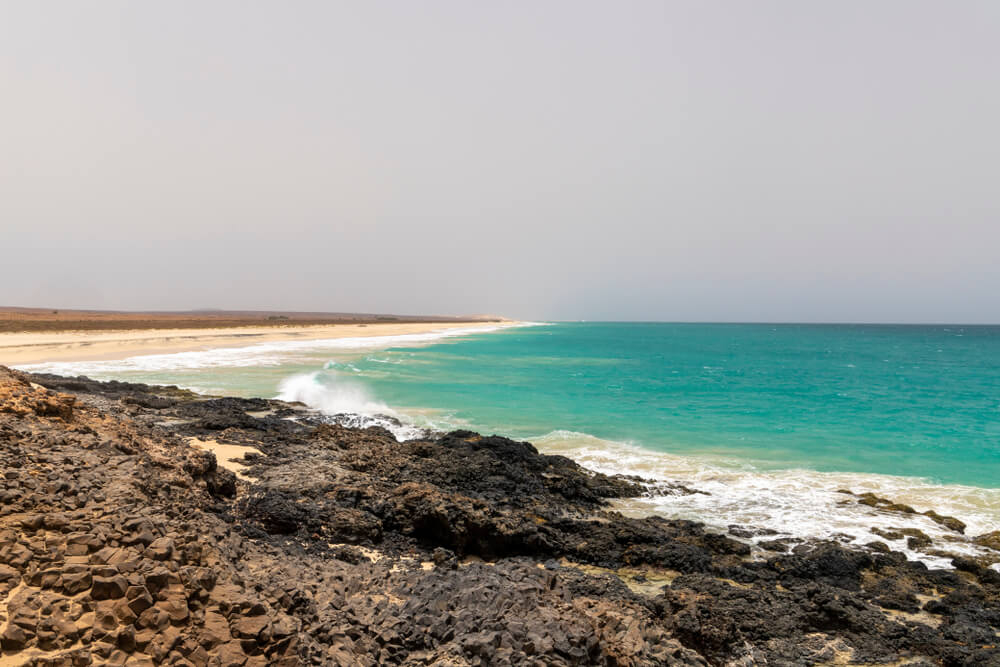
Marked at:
<point>23,320</point>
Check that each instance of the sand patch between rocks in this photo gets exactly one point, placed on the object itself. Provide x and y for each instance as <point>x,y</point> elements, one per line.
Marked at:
<point>227,456</point>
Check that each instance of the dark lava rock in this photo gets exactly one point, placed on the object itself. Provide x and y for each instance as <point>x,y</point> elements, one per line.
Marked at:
<point>119,543</point>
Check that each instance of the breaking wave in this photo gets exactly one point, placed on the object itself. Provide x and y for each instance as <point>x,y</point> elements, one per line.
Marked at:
<point>796,504</point>
<point>347,402</point>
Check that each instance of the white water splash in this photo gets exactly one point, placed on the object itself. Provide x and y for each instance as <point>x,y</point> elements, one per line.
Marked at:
<point>332,395</point>
<point>795,503</point>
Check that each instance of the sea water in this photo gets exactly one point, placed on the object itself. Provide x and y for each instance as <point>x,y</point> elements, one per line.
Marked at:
<point>769,421</point>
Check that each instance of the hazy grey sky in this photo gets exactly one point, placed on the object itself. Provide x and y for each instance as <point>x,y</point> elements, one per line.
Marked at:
<point>602,160</point>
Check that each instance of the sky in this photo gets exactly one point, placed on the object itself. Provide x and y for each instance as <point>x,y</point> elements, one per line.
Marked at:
<point>682,161</point>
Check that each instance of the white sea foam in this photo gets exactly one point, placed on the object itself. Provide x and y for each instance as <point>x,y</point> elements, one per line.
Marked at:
<point>796,503</point>
<point>333,395</point>
<point>261,354</point>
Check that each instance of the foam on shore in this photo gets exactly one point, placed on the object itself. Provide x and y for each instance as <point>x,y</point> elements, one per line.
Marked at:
<point>260,354</point>
<point>794,503</point>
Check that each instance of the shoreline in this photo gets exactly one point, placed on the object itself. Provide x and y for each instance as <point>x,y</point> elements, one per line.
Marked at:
<point>20,349</point>
<point>463,547</point>
<point>795,503</point>
<point>768,498</point>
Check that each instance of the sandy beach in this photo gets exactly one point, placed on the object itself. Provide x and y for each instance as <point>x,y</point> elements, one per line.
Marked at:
<point>17,349</point>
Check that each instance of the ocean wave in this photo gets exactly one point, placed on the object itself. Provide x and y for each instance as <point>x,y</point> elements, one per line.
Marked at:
<point>351,402</point>
<point>795,503</point>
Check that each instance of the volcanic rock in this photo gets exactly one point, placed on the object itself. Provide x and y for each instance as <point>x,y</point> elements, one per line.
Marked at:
<point>120,543</point>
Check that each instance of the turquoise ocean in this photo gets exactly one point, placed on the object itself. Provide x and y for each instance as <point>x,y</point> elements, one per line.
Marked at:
<point>770,421</point>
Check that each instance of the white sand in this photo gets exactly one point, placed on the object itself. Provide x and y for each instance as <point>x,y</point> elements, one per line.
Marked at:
<point>227,456</point>
<point>17,349</point>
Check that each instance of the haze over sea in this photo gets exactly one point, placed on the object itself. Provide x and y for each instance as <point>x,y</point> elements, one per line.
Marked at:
<point>769,420</point>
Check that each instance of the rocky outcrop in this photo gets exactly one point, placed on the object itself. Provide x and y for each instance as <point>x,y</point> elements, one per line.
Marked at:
<point>886,505</point>
<point>122,544</point>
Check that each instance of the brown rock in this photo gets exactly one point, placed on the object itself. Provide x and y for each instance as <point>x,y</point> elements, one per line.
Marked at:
<point>283,626</point>
<point>123,613</point>
<point>104,619</point>
<point>33,522</point>
<point>163,643</point>
<point>916,538</point>
<point>198,657</point>
<point>158,579</point>
<point>989,540</point>
<point>201,577</point>
<point>103,648</point>
<point>161,549</point>
<point>104,555</point>
<point>63,627</point>
<point>141,531</point>
<point>18,556</point>
<point>215,630</point>
<point>14,638</point>
<point>144,637</point>
<point>949,522</point>
<point>117,657</point>
<point>872,500</point>
<point>48,578</point>
<point>22,616</point>
<point>109,588</point>
<point>887,534</point>
<point>153,618</point>
<point>249,627</point>
<point>8,574</point>
<point>76,550</point>
<point>88,540</point>
<point>139,599</point>
<point>85,622</point>
<point>76,581</point>
<point>231,655</point>
<point>126,639</point>
<point>226,596</point>
<point>175,607</point>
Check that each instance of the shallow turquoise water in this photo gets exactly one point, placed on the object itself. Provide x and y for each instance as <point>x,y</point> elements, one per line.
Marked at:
<point>902,400</point>
<point>769,421</point>
<point>920,401</point>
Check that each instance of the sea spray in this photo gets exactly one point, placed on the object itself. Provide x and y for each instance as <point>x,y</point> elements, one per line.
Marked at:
<point>335,396</point>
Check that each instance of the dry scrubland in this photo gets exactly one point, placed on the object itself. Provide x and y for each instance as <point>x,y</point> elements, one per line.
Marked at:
<point>51,319</point>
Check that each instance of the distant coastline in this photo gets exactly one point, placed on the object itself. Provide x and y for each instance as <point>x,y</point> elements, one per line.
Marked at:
<point>37,335</point>
<point>24,320</point>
